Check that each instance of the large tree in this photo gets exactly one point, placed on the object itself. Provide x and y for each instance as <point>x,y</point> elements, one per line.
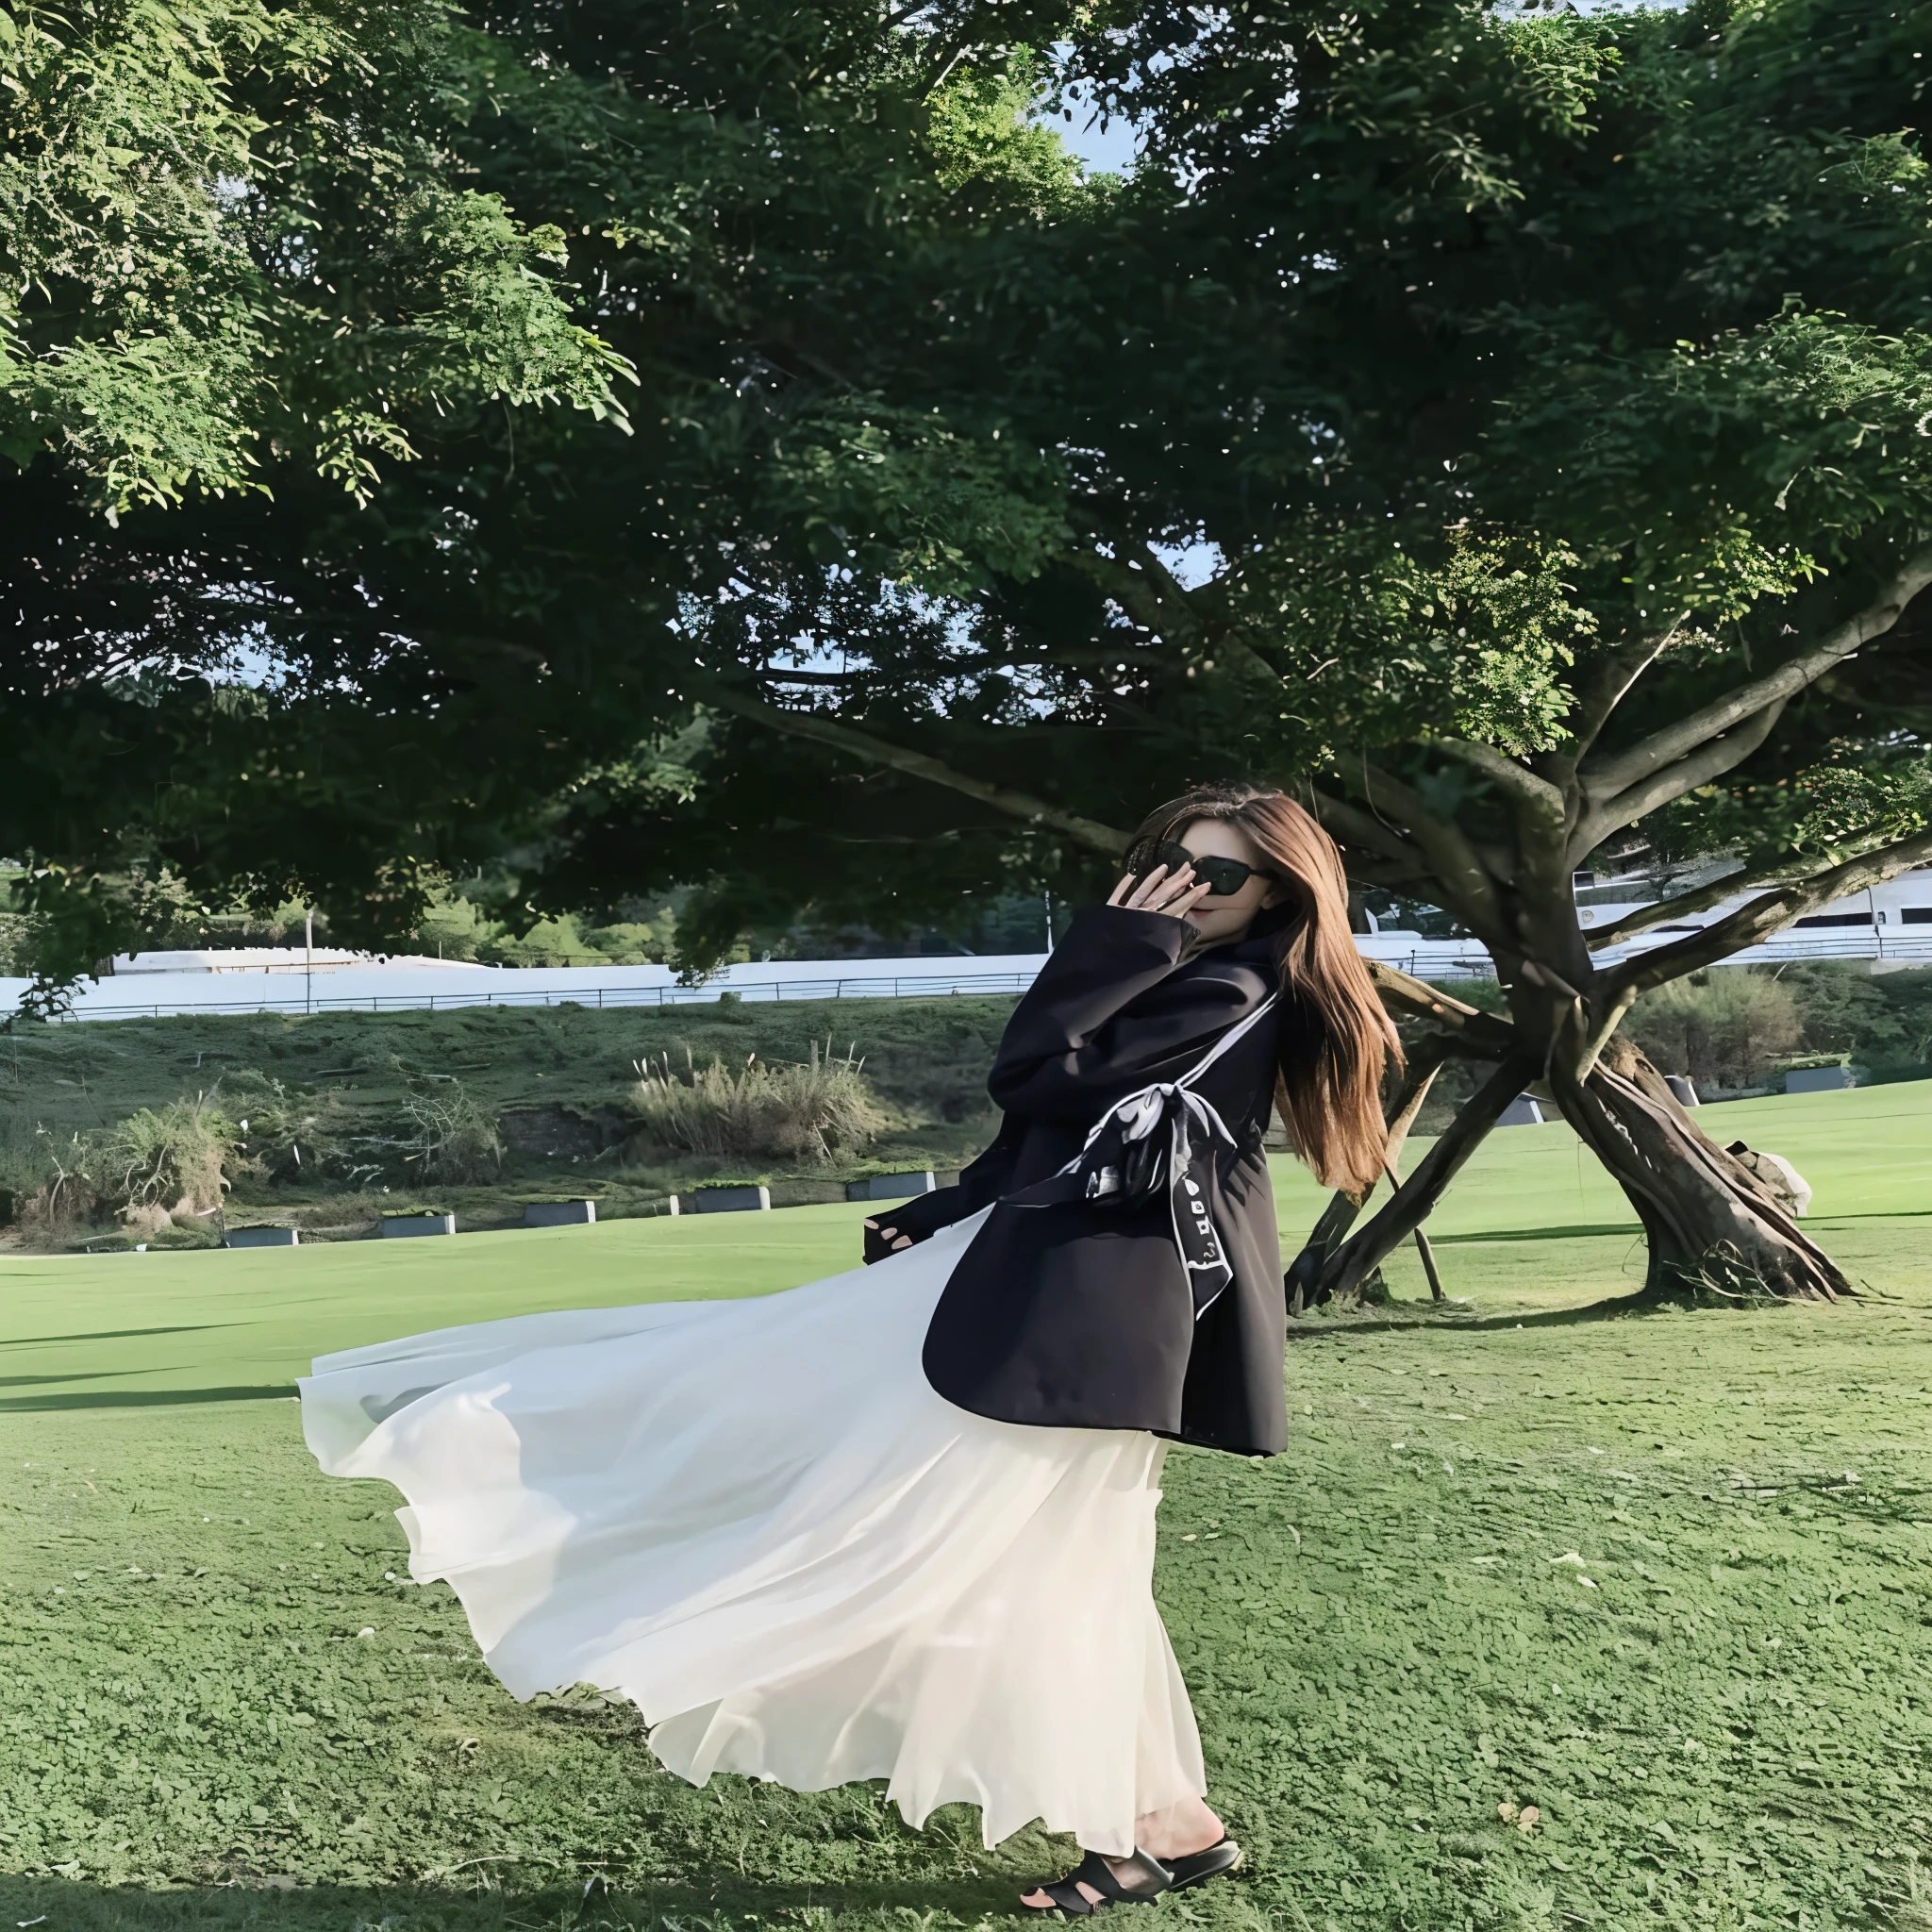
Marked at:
<point>1508,428</point>
<point>248,279</point>
<point>311,595</point>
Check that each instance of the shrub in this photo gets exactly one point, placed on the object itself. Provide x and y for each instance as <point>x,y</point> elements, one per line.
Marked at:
<point>291,1136</point>
<point>449,1136</point>
<point>171,1159</point>
<point>53,1215</point>
<point>441,1133</point>
<point>1726,1027</point>
<point>802,1112</point>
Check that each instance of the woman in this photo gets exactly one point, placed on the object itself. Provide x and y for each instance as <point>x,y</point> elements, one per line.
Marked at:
<point>899,1523</point>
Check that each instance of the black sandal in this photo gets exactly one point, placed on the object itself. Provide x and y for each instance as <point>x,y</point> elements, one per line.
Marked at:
<point>1096,1871</point>
<point>1223,1856</point>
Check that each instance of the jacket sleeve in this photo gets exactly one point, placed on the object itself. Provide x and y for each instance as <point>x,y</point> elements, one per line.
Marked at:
<point>1071,1048</point>
<point>923,1215</point>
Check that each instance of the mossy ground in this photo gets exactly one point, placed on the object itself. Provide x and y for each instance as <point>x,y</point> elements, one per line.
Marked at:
<point>1665,1576</point>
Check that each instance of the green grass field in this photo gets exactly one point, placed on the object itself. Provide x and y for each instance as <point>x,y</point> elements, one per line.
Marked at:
<point>1665,1576</point>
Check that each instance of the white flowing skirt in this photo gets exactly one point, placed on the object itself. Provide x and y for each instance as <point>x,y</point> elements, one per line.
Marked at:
<point>756,1520</point>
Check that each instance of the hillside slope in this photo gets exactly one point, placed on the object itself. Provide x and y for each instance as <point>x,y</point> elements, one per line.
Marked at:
<point>559,1079</point>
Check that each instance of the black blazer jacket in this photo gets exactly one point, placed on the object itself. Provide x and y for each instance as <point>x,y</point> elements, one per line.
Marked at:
<point>1081,1314</point>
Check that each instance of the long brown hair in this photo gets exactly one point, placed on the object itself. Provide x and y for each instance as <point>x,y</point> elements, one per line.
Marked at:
<point>1329,1098</point>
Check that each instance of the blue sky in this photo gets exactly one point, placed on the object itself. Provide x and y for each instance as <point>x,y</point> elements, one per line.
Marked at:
<point>1105,151</point>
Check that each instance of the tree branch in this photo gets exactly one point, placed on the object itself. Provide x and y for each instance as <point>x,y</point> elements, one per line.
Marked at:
<point>1451,856</point>
<point>1664,747</point>
<point>1327,1234</point>
<point>1713,760</point>
<point>779,676</point>
<point>272,615</point>
<point>927,677</point>
<point>861,744</point>
<point>1154,596</point>
<point>1149,594</point>
<point>1770,913</point>
<point>1615,680</point>
<point>1363,828</point>
<point>1541,813</point>
<point>1487,1036</point>
<point>1645,917</point>
<point>1532,795</point>
<point>1385,872</point>
<point>1417,1195</point>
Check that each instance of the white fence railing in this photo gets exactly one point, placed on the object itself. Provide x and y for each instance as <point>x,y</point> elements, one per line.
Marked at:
<point>1465,959</point>
<point>184,993</point>
<point>468,993</point>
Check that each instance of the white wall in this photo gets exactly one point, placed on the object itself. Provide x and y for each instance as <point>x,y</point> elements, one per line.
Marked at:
<point>395,987</point>
<point>401,987</point>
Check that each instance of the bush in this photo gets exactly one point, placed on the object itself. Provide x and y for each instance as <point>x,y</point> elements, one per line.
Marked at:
<point>441,1134</point>
<point>53,1215</point>
<point>291,1136</point>
<point>153,1165</point>
<point>1879,1020</point>
<point>804,1112</point>
<point>159,1167</point>
<point>1726,1027</point>
<point>449,1136</point>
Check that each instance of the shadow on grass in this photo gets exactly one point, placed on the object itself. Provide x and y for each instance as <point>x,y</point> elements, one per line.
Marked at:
<point>138,1398</point>
<point>121,1333</point>
<point>1873,1214</point>
<point>1459,1321</point>
<point>1538,1234</point>
<point>578,1905</point>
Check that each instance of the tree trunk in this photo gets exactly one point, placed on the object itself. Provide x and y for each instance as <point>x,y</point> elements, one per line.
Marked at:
<point>1710,1225</point>
<point>1327,1234</point>
<point>1343,1269</point>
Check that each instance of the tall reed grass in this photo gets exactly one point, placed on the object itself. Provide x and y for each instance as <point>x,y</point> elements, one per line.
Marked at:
<point>805,1112</point>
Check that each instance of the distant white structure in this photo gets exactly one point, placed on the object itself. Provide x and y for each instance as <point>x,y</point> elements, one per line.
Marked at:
<point>1889,922</point>
<point>1891,926</point>
<point>365,984</point>
<point>276,960</point>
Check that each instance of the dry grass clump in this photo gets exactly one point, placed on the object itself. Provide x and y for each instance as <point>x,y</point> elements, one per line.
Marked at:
<point>439,1133</point>
<point>67,1202</point>
<point>165,1166</point>
<point>154,1169</point>
<point>804,1112</point>
<point>291,1137</point>
<point>170,1157</point>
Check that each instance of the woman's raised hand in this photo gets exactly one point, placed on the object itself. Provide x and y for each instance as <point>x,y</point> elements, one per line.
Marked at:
<point>1173,893</point>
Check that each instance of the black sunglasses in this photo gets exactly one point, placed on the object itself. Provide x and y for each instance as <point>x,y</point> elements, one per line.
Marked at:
<point>1224,878</point>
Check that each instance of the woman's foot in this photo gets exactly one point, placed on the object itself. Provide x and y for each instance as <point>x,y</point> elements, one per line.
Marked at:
<point>1176,1832</point>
